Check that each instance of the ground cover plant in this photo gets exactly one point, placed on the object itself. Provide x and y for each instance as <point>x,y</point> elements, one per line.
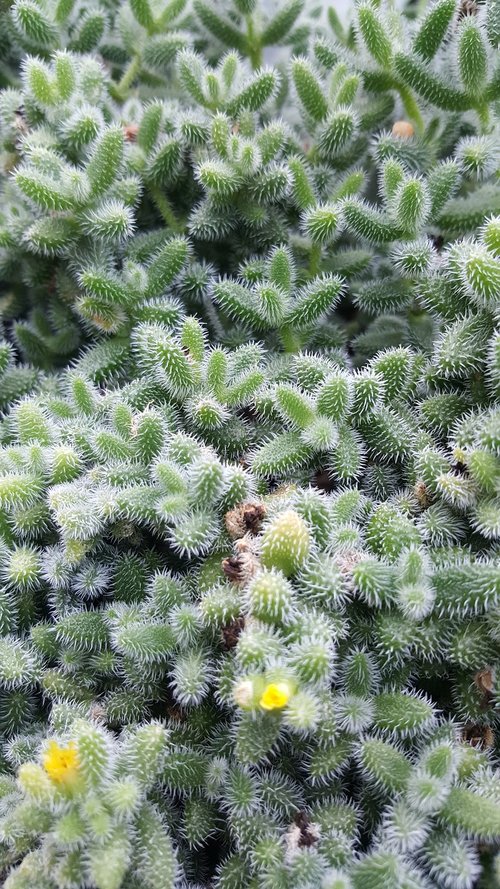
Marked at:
<point>249,445</point>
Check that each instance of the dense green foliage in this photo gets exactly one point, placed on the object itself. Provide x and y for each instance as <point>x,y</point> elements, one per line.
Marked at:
<point>249,445</point>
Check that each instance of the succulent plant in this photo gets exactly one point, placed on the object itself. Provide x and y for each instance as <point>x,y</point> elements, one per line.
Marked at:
<point>249,445</point>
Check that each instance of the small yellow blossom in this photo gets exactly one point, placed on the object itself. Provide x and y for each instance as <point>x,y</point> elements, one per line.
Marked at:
<point>61,763</point>
<point>275,696</point>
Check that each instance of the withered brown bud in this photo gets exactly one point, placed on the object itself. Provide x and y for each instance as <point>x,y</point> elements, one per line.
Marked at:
<point>302,832</point>
<point>130,131</point>
<point>485,680</point>
<point>478,736</point>
<point>242,566</point>
<point>403,129</point>
<point>233,567</point>
<point>246,518</point>
<point>231,633</point>
<point>422,494</point>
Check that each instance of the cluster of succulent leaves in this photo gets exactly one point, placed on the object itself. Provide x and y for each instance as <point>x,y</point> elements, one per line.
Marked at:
<point>249,445</point>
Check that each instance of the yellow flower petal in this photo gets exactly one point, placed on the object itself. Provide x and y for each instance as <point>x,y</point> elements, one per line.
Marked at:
<point>275,696</point>
<point>61,763</point>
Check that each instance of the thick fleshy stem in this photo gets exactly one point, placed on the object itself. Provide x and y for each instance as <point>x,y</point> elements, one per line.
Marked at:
<point>254,46</point>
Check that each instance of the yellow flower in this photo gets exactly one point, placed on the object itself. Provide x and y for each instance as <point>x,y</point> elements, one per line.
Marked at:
<point>61,763</point>
<point>275,696</point>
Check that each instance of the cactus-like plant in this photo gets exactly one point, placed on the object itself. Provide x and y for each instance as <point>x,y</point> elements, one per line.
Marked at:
<point>249,445</point>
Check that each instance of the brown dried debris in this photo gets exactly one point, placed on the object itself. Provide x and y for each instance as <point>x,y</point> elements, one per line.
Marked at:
<point>234,568</point>
<point>308,830</point>
<point>478,735</point>
<point>423,495</point>
<point>485,681</point>
<point>130,131</point>
<point>246,518</point>
<point>231,633</point>
<point>242,566</point>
